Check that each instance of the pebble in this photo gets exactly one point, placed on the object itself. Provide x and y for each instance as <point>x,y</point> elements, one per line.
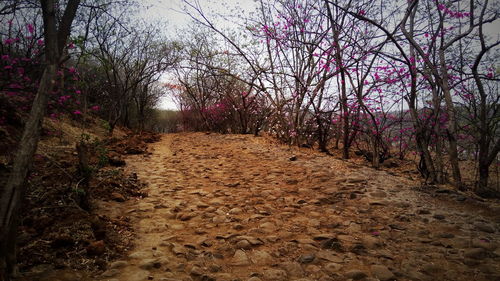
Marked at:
<point>333,267</point>
<point>370,242</point>
<point>196,271</point>
<point>382,273</point>
<point>118,264</point>
<point>439,217</point>
<point>432,268</point>
<point>240,258</point>
<point>483,243</point>
<point>261,257</point>
<point>485,227</point>
<point>293,269</point>
<point>243,244</point>
<point>475,253</point>
<point>355,274</point>
<point>149,264</point>
<point>307,258</point>
<point>275,275</point>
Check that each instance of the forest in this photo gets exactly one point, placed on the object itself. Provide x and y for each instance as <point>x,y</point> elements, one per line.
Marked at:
<point>410,88</point>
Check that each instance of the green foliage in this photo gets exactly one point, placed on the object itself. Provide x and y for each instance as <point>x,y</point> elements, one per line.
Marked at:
<point>106,125</point>
<point>97,148</point>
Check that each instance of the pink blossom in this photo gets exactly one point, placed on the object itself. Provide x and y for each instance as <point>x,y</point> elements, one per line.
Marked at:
<point>39,42</point>
<point>9,41</point>
<point>31,29</point>
<point>95,108</point>
<point>77,112</point>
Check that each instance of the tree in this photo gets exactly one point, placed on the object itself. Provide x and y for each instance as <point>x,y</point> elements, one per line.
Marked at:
<point>56,33</point>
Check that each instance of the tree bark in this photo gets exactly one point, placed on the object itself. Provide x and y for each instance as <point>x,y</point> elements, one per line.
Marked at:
<point>12,194</point>
<point>452,123</point>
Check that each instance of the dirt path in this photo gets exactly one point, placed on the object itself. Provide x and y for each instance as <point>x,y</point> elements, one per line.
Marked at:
<point>231,207</point>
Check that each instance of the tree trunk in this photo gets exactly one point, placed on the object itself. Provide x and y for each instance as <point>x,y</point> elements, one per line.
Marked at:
<point>452,124</point>
<point>440,178</point>
<point>376,154</point>
<point>13,192</point>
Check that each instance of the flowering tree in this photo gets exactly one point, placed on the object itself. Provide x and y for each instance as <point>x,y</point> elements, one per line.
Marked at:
<point>56,33</point>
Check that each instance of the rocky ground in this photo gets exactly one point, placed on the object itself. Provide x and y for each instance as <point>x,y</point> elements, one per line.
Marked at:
<point>234,207</point>
<point>231,207</point>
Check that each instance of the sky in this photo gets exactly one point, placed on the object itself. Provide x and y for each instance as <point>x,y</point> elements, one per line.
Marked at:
<point>171,13</point>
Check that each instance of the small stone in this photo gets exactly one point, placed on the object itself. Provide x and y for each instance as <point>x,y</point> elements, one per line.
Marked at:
<point>149,264</point>
<point>267,227</point>
<point>355,274</point>
<point>333,267</point>
<point>186,217</point>
<point>235,211</point>
<point>293,158</point>
<point>238,227</point>
<point>196,271</point>
<point>176,226</point>
<point>382,272</point>
<point>446,235</point>
<point>439,217</point>
<point>275,275</point>
<point>370,242</point>
<point>485,244</point>
<point>118,197</point>
<point>243,244</point>
<point>379,194</point>
<point>261,257</point>
<point>475,253</point>
<point>397,227</point>
<point>118,264</point>
<point>485,227</point>
<point>307,258</point>
<point>214,268</point>
<point>293,269</point>
<point>219,219</point>
<point>240,258</point>
<point>423,212</point>
<point>432,269</point>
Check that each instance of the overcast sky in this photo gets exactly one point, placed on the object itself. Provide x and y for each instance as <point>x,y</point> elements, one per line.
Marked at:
<point>172,13</point>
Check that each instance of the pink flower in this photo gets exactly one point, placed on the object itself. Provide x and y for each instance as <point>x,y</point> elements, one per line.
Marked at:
<point>362,12</point>
<point>95,108</point>
<point>5,57</point>
<point>9,41</point>
<point>31,29</point>
<point>39,42</point>
<point>77,112</point>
